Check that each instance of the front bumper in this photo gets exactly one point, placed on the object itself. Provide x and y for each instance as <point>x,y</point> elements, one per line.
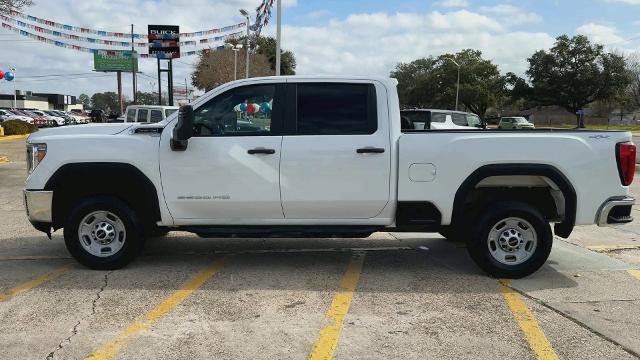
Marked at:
<point>616,211</point>
<point>38,205</point>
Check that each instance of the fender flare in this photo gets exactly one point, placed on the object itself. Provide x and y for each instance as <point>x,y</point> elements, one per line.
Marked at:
<point>562,229</point>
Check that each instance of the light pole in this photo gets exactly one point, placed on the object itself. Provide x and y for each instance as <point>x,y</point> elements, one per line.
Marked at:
<point>245,13</point>
<point>458,87</point>
<point>278,36</point>
<point>235,49</point>
<point>15,96</point>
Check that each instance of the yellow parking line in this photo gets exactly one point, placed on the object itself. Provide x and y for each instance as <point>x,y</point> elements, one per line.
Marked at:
<point>528,324</point>
<point>635,273</point>
<point>325,346</point>
<point>13,137</point>
<point>4,160</point>
<point>111,348</point>
<point>26,286</point>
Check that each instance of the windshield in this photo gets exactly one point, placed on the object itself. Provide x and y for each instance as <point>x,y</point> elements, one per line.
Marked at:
<point>520,120</point>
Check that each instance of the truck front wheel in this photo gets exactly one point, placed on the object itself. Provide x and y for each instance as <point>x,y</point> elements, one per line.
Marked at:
<point>103,233</point>
<point>510,240</point>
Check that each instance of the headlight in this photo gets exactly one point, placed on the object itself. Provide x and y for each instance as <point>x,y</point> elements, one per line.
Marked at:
<point>35,154</point>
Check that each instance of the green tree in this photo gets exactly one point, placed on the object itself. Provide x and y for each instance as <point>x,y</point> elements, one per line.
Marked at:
<point>432,82</point>
<point>267,47</point>
<point>107,101</point>
<point>147,98</point>
<point>633,64</point>
<point>575,73</point>
<point>7,6</point>
<point>85,100</point>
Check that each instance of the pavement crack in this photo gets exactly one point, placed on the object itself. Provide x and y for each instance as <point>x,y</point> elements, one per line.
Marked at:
<point>575,321</point>
<point>74,330</point>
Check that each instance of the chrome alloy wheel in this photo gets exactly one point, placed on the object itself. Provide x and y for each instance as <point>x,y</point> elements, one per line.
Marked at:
<point>102,233</point>
<point>512,241</point>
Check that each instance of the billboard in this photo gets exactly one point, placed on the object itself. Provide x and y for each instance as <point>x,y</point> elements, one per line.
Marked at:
<point>164,41</point>
<point>115,61</point>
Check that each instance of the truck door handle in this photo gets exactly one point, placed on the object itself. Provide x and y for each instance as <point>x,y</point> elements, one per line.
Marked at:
<point>261,151</point>
<point>370,150</point>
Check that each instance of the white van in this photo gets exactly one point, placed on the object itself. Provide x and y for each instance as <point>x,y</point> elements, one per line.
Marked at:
<point>425,119</point>
<point>148,113</point>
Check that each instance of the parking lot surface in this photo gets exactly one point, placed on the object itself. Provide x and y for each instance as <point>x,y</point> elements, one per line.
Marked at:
<point>391,296</point>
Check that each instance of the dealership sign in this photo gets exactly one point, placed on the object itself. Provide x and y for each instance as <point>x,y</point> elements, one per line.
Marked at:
<point>115,61</point>
<point>164,41</point>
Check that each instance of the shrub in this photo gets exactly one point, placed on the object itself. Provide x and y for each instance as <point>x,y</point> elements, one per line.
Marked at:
<point>18,127</point>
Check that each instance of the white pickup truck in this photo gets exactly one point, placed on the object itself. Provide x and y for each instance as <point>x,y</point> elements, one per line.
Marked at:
<point>320,157</point>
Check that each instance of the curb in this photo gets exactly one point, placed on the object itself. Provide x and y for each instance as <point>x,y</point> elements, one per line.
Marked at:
<point>13,137</point>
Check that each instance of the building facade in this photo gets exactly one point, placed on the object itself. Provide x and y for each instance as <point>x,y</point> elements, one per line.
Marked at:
<point>40,101</point>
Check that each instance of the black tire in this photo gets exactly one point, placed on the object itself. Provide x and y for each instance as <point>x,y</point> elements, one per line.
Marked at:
<point>131,247</point>
<point>478,244</point>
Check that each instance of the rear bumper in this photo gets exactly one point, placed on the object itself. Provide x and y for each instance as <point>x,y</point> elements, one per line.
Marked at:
<point>616,211</point>
<point>38,205</point>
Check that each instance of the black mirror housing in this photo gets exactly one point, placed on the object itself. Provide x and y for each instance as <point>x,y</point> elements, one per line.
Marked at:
<point>184,128</point>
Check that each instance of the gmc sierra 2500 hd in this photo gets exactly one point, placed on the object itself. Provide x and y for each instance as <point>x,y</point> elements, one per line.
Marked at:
<point>322,156</point>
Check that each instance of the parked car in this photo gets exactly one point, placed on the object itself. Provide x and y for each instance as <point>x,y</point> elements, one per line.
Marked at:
<point>515,123</point>
<point>425,119</point>
<point>54,120</point>
<point>79,117</point>
<point>326,157</point>
<point>148,113</point>
<point>38,120</point>
<point>30,118</point>
<point>68,119</point>
<point>6,115</point>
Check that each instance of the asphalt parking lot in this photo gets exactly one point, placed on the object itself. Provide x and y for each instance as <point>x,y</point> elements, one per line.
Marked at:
<point>392,296</point>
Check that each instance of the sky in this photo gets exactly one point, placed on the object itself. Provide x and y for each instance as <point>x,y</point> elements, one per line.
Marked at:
<point>343,37</point>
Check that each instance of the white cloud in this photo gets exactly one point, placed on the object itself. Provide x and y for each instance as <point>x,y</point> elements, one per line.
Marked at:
<point>602,34</point>
<point>454,3</point>
<point>630,2</point>
<point>374,43</point>
<point>512,15</point>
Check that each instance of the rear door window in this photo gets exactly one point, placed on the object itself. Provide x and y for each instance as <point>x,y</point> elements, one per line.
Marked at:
<point>336,109</point>
<point>156,116</point>
<point>143,115</point>
<point>460,119</point>
<point>438,117</point>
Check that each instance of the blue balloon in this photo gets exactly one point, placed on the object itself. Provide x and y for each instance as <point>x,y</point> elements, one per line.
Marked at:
<point>9,76</point>
<point>243,106</point>
<point>265,108</point>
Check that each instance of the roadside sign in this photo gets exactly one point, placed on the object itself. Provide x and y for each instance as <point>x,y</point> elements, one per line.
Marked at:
<point>115,61</point>
<point>164,41</point>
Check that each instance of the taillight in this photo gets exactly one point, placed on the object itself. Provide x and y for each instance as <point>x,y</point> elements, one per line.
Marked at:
<point>626,156</point>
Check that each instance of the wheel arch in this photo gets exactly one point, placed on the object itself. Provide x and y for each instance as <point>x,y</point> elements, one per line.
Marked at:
<point>562,229</point>
<point>72,182</point>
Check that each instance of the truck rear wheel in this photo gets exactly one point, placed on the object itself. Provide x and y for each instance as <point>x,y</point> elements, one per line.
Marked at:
<point>103,233</point>
<point>511,240</point>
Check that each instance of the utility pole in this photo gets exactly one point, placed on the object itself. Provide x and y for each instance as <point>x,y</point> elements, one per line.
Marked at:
<point>133,68</point>
<point>278,37</point>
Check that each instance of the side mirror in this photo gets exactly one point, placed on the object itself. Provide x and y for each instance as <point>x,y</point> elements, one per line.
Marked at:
<point>184,129</point>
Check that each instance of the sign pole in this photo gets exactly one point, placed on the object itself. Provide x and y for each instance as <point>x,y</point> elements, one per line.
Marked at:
<point>159,84</point>
<point>170,82</point>
<point>120,92</point>
<point>15,94</point>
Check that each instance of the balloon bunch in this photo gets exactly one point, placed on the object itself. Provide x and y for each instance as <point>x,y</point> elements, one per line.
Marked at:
<point>249,108</point>
<point>9,75</point>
